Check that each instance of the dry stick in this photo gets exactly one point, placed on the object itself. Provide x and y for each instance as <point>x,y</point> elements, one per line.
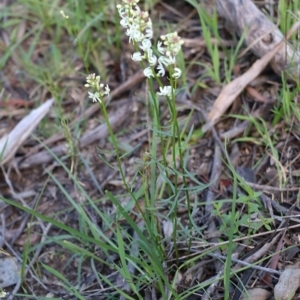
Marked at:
<point>125,86</point>
<point>235,87</point>
<point>197,270</point>
<point>39,249</point>
<point>213,286</point>
<point>3,228</point>
<point>210,246</point>
<point>244,263</point>
<point>15,290</point>
<point>237,130</point>
<point>260,252</point>
<point>271,188</point>
<point>200,42</point>
<point>96,134</point>
<point>261,35</point>
<point>11,188</point>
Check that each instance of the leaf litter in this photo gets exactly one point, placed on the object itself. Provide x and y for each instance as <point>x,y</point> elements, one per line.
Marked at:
<point>265,236</point>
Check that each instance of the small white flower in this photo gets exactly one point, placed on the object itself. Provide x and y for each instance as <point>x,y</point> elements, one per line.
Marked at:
<point>152,59</point>
<point>64,15</point>
<point>137,56</point>
<point>167,60</point>
<point>148,72</point>
<point>95,96</point>
<point>107,90</point>
<point>138,36</point>
<point>2,293</point>
<point>177,73</point>
<point>134,34</point>
<point>163,60</point>
<point>149,33</point>
<point>146,45</point>
<point>131,2</point>
<point>149,23</point>
<point>161,70</point>
<point>165,91</point>
<point>160,48</point>
<point>172,60</point>
<point>124,22</point>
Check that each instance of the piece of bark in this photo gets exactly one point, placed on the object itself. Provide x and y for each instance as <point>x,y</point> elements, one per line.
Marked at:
<point>261,35</point>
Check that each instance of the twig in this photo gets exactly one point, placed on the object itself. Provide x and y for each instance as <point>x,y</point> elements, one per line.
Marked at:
<point>246,264</point>
<point>213,286</point>
<point>261,35</point>
<point>3,228</point>
<point>15,290</point>
<point>39,249</point>
<point>271,188</point>
<point>235,131</point>
<point>11,188</point>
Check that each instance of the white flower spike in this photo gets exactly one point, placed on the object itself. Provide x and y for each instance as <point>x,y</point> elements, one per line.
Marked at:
<point>140,32</point>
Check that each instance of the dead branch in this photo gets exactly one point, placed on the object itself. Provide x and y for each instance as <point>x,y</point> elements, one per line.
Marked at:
<point>261,35</point>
